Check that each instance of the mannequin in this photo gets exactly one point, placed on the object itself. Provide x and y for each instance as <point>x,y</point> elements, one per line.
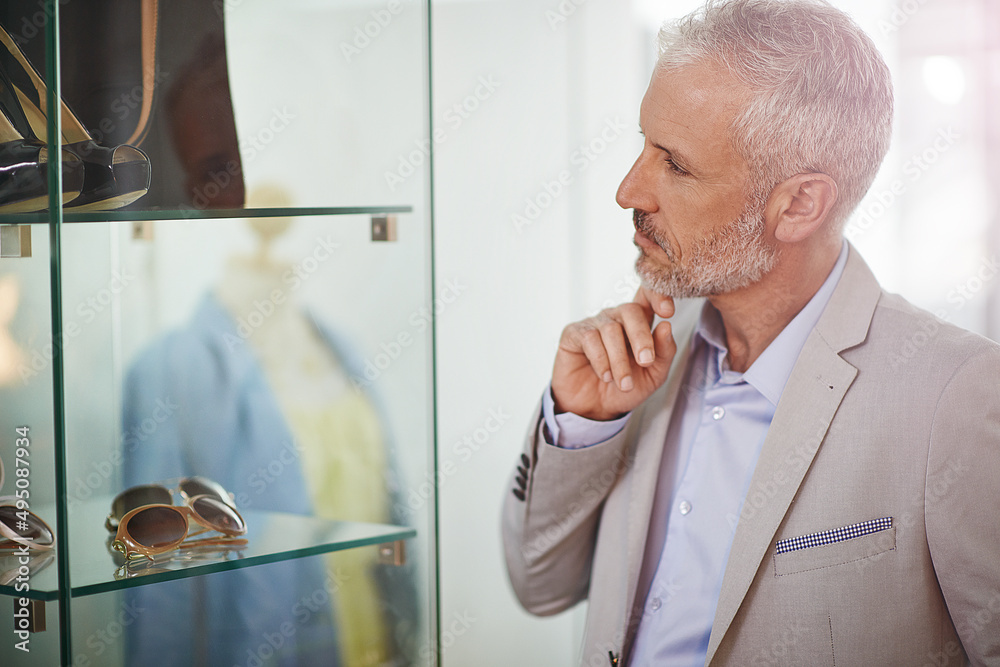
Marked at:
<point>335,427</point>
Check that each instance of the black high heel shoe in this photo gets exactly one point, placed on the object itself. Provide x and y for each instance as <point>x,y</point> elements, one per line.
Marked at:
<point>24,166</point>
<point>113,177</point>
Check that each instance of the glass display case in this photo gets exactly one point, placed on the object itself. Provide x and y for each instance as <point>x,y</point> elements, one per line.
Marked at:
<point>225,274</point>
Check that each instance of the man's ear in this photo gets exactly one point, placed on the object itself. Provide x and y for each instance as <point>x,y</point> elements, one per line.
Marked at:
<point>800,205</point>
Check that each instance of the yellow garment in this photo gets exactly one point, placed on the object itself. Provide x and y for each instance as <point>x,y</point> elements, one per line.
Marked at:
<point>344,462</point>
<point>340,439</point>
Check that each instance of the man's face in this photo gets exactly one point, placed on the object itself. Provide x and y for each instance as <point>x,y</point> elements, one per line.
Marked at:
<point>698,231</point>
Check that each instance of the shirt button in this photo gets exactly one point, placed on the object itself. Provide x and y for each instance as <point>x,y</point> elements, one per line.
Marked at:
<point>718,412</point>
<point>684,507</point>
<point>655,604</point>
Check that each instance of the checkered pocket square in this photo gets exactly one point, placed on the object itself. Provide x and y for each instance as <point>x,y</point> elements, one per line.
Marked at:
<point>835,535</point>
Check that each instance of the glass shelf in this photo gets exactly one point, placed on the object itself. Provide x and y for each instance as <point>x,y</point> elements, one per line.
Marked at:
<point>42,217</point>
<point>272,537</point>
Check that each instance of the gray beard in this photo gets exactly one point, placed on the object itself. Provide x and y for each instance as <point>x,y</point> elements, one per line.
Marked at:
<point>733,258</point>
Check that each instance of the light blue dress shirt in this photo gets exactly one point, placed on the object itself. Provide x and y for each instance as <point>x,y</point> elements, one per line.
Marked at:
<point>724,418</point>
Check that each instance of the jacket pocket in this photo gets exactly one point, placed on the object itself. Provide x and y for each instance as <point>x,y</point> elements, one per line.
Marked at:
<point>837,553</point>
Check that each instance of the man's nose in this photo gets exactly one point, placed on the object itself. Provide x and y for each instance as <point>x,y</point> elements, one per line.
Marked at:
<point>635,191</point>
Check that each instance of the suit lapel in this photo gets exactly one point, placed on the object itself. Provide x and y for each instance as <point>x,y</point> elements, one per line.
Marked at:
<point>814,391</point>
<point>791,443</point>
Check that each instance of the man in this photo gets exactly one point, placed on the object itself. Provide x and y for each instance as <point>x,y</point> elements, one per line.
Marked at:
<point>774,475</point>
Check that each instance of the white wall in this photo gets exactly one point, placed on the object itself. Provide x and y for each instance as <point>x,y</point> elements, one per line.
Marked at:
<point>559,87</point>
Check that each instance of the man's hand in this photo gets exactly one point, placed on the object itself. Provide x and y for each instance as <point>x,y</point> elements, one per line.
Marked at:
<point>610,363</point>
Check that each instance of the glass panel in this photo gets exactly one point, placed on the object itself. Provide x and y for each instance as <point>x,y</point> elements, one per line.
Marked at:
<point>187,106</point>
<point>284,358</point>
<point>26,400</point>
<point>284,353</point>
<point>27,347</point>
<point>25,159</point>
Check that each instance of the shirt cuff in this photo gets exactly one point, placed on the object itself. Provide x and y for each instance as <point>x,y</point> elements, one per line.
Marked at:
<point>570,431</point>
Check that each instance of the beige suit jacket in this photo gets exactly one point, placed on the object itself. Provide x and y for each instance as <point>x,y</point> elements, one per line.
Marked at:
<point>888,412</point>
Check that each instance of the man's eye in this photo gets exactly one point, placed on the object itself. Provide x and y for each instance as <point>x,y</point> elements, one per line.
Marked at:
<point>673,166</point>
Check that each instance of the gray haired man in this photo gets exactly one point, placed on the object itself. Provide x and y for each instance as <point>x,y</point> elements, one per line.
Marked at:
<point>759,476</point>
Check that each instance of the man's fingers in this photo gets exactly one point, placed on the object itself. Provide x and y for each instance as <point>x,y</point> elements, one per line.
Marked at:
<point>663,341</point>
<point>640,338</point>
<point>657,303</point>
<point>664,306</point>
<point>613,338</point>
<point>593,349</point>
<point>618,341</point>
<point>642,299</point>
<point>617,345</point>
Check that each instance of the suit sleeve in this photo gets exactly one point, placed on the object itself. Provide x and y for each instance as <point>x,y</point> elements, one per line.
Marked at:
<point>551,515</point>
<point>962,503</point>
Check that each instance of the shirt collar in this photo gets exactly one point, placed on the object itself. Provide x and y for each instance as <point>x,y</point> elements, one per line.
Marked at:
<point>770,371</point>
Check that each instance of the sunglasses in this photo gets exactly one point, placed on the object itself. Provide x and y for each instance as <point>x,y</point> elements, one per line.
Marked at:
<point>12,568</point>
<point>147,523</point>
<point>162,493</point>
<point>18,526</point>
<point>140,567</point>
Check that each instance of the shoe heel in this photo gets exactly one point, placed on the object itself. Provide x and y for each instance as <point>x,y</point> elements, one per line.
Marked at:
<point>24,170</point>
<point>113,177</point>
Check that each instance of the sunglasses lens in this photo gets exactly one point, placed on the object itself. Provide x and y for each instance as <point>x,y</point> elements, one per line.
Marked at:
<point>157,526</point>
<point>26,525</point>
<point>219,515</point>
<point>201,486</point>
<point>137,496</point>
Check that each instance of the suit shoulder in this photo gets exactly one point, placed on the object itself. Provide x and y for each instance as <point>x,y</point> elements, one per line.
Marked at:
<point>909,335</point>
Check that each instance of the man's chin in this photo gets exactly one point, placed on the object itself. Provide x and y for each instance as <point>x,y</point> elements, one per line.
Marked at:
<point>667,282</point>
<point>661,280</point>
